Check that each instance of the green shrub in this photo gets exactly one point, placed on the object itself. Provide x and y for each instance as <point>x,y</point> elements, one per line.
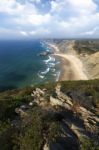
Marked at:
<point>89,144</point>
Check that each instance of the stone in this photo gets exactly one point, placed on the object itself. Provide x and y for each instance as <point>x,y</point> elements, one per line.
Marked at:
<point>31,104</point>
<point>38,90</point>
<point>32,94</point>
<point>46,147</point>
<point>54,101</point>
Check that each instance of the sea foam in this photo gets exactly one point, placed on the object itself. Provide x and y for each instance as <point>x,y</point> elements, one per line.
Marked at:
<point>46,71</point>
<point>40,76</point>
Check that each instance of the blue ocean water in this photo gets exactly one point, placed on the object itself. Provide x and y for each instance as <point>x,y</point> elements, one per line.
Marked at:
<point>20,65</point>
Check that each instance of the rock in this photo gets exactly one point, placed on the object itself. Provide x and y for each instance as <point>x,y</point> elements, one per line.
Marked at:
<point>20,112</point>
<point>24,107</point>
<point>32,94</point>
<point>31,104</point>
<point>46,147</point>
<point>54,101</point>
<point>41,99</point>
<point>77,131</point>
<point>63,96</point>
<point>67,106</point>
<point>96,119</point>
<point>58,87</point>
<point>38,90</point>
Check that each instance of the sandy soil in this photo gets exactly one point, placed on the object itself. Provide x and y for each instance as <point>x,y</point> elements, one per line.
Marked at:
<point>72,66</point>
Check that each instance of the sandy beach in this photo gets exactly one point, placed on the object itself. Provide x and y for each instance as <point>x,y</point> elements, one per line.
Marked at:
<point>72,66</point>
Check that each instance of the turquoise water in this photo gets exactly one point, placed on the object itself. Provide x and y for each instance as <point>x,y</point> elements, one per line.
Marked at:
<point>20,65</point>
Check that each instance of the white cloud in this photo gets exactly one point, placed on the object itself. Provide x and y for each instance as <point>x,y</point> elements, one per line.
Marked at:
<point>64,18</point>
<point>10,33</point>
<point>36,1</point>
<point>40,31</point>
<point>80,6</point>
<point>74,17</point>
<point>24,33</point>
<point>34,19</point>
<point>91,32</point>
<point>15,8</point>
<point>10,6</point>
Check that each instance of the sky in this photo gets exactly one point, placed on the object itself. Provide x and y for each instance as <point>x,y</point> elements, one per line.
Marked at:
<point>25,19</point>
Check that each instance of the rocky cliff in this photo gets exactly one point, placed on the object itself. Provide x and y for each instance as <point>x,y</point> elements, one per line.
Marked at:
<point>86,50</point>
<point>89,53</point>
<point>57,116</point>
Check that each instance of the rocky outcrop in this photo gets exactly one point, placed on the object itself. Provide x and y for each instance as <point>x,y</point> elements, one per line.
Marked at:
<point>62,100</point>
<point>46,147</point>
<point>75,120</point>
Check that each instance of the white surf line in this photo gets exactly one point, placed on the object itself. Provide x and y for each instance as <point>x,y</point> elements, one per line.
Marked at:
<point>76,64</point>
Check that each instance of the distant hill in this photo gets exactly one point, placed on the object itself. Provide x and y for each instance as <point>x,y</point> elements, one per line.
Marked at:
<point>86,46</point>
<point>90,49</point>
<point>86,50</point>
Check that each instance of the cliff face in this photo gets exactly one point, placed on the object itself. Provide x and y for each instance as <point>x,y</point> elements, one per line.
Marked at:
<point>87,51</point>
<point>92,63</point>
<point>58,116</point>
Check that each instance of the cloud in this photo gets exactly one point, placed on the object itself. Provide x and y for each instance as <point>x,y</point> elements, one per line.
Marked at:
<point>92,32</point>
<point>40,31</point>
<point>33,19</point>
<point>10,34</point>
<point>10,7</point>
<point>36,1</point>
<point>62,18</point>
<point>23,33</point>
<point>30,1</point>
<point>73,7</point>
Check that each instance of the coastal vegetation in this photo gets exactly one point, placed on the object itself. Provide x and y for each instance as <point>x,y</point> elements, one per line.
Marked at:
<point>28,122</point>
<point>86,46</point>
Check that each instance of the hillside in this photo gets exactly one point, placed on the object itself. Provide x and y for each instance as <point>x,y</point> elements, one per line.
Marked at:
<point>89,53</point>
<point>58,116</point>
<point>86,46</point>
<point>85,50</point>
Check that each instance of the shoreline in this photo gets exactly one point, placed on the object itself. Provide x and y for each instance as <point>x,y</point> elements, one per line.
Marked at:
<point>71,66</point>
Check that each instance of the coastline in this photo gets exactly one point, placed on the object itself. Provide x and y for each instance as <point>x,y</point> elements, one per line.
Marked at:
<point>71,66</point>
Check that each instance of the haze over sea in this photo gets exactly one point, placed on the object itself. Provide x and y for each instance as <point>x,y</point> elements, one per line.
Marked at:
<point>20,65</point>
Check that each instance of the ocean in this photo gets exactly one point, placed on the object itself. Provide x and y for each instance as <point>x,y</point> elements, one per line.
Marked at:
<point>21,66</point>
